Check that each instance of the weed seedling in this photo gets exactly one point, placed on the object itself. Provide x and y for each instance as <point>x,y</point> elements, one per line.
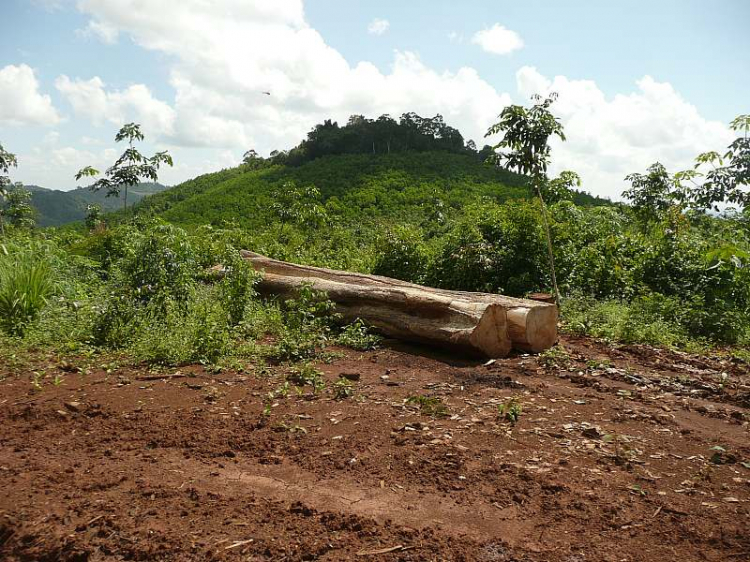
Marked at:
<point>554,357</point>
<point>429,405</point>
<point>623,452</point>
<point>594,364</point>
<point>343,388</point>
<point>307,375</point>
<point>510,410</point>
<point>291,427</point>
<point>36,380</point>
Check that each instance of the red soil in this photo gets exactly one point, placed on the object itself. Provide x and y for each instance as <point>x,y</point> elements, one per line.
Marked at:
<point>612,459</point>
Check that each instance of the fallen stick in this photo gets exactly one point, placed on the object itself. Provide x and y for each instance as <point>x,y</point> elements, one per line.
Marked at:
<point>380,551</point>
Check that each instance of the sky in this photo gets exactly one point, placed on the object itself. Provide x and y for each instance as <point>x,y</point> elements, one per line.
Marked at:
<point>638,81</point>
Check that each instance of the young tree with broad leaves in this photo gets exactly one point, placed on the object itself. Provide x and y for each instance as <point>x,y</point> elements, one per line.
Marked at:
<point>298,205</point>
<point>725,182</point>
<point>653,193</point>
<point>524,148</point>
<point>728,178</point>
<point>130,169</point>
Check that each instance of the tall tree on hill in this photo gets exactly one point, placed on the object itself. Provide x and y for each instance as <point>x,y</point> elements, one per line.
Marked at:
<point>130,169</point>
<point>526,133</point>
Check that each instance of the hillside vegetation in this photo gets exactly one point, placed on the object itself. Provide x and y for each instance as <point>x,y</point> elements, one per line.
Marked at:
<point>353,188</point>
<point>659,271</point>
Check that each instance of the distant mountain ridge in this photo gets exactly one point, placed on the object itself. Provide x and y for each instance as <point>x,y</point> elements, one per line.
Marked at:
<point>55,207</point>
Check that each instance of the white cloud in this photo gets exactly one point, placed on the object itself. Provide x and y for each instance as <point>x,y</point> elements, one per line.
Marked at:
<point>55,167</point>
<point>224,55</point>
<point>21,103</point>
<point>105,32</point>
<point>135,103</point>
<point>610,138</point>
<point>498,40</point>
<point>51,138</point>
<point>378,26</point>
<point>455,37</point>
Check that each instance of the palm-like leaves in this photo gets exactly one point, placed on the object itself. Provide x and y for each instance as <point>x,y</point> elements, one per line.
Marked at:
<point>131,168</point>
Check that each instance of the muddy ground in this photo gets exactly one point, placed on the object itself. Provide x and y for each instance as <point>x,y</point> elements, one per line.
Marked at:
<point>619,454</point>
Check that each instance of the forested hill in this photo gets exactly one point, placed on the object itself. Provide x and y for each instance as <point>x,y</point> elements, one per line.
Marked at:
<point>55,208</point>
<point>353,187</point>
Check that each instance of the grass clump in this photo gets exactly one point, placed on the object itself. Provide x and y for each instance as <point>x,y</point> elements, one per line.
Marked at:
<point>26,283</point>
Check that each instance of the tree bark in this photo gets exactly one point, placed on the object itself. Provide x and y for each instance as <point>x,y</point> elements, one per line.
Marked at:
<point>479,322</point>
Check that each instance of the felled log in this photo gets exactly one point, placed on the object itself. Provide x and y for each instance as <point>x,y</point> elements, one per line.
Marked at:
<point>478,322</point>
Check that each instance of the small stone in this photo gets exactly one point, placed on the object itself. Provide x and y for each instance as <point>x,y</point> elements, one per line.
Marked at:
<point>73,406</point>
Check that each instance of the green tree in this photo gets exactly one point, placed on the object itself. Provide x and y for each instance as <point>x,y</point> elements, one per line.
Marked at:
<point>561,188</point>
<point>94,216</point>
<point>15,206</point>
<point>729,175</point>
<point>653,193</point>
<point>525,149</point>
<point>7,161</point>
<point>298,205</point>
<point>130,169</point>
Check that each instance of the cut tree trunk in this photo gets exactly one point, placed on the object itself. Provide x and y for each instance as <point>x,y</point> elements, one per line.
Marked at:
<point>476,322</point>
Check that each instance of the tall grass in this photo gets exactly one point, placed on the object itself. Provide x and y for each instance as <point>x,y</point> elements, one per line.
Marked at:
<point>25,284</point>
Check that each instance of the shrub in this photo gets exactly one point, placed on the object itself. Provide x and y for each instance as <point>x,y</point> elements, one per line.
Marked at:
<point>160,266</point>
<point>177,335</point>
<point>402,254</point>
<point>494,248</point>
<point>237,286</point>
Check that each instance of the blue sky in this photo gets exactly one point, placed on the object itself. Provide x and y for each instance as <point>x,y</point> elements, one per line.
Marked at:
<point>638,81</point>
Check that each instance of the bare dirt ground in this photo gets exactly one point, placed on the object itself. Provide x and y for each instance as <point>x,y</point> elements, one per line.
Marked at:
<point>614,458</point>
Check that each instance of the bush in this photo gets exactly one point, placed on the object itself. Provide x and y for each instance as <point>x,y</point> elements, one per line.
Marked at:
<point>160,266</point>
<point>402,254</point>
<point>307,322</point>
<point>237,286</point>
<point>178,336</point>
<point>645,320</point>
<point>494,248</point>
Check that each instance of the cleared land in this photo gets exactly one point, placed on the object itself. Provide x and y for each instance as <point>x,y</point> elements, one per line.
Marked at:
<point>613,458</point>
